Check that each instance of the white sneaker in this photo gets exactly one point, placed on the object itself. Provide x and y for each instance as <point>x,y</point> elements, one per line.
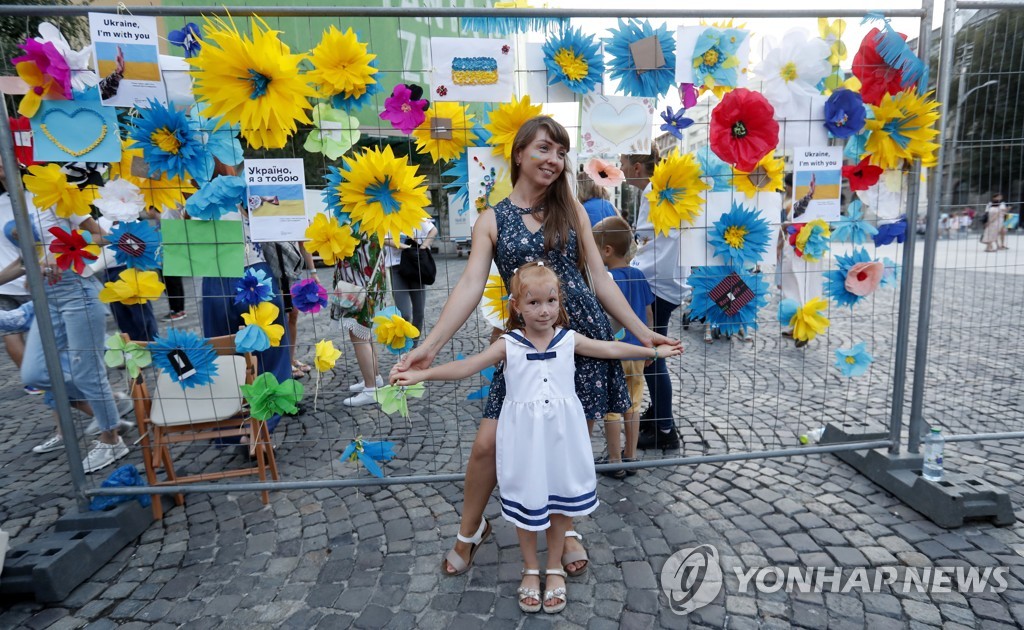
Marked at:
<point>365,397</point>
<point>360,386</point>
<point>102,455</point>
<point>93,428</point>
<point>55,443</point>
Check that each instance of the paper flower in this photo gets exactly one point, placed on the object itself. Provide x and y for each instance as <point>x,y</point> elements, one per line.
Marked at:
<point>45,71</point>
<point>855,361</point>
<point>331,194</point>
<point>863,175</point>
<point>494,25</point>
<point>766,177</point>
<point>743,129</point>
<point>891,232</point>
<point>727,297</point>
<point>395,398</point>
<point>675,195</point>
<point>404,109</point>
<point>494,301</point>
<point>810,240</point>
<point>186,357</point>
<point>837,286</point>
<point>715,62</point>
<point>487,374</point>
<point>161,193</point>
<point>446,131</point>
<point>844,113</point>
<point>891,275</point>
<point>877,77</point>
<point>219,140</point>
<point>574,59</point>
<point>832,33</point>
<point>168,143</point>
<point>127,354</point>
<point>504,121</point>
<point>50,189</point>
<point>74,250</point>
<point>634,81</point>
<point>604,173</point>
<point>264,315</point>
<point>790,72</point>
<point>329,240</point>
<point>714,172</point>
<point>393,331</point>
<point>308,296</point>
<point>136,245</point>
<point>688,95</point>
<point>251,338</point>
<point>188,37</point>
<point>740,237</point>
<point>120,200</point>
<point>369,453</point>
<point>903,129</point>
<point>251,81</point>
<point>383,193</point>
<point>326,355</point>
<point>79,62</point>
<point>341,65</point>
<point>216,198</point>
<point>853,228</point>
<point>806,320</point>
<point>267,397</point>
<point>253,287</point>
<point>133,287</point>
<point>334,132</point>
<point>675,122</point>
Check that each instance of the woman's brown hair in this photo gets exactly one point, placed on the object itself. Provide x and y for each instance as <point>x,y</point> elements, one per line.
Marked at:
<point>649,160</point>
<point>533,271</point>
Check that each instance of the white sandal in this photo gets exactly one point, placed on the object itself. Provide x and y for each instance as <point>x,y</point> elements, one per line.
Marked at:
<point>529,593</point>
<point>452,558</point>
<point>556,593</point>
<point>569,557</point>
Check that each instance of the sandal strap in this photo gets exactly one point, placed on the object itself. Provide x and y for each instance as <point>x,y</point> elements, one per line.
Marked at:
<point>476,538</point>
<point>528,592</point>
<point>529,571</point>
<point>556,572</point>
<point>573,534</point>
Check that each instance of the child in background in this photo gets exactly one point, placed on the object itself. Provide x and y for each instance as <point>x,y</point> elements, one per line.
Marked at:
<point>544,460</point>
<point>613,238</point>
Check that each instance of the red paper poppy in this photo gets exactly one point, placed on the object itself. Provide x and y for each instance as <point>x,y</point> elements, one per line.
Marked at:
<point>877,78</point>
<point>71,250</point>
<point>743,129</point>
<point>862,176</point>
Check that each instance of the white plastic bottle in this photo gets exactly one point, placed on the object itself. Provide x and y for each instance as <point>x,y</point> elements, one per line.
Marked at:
<point>934,444</point>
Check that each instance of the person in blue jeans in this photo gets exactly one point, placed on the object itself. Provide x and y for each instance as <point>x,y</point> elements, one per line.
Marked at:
<point>658,257</point>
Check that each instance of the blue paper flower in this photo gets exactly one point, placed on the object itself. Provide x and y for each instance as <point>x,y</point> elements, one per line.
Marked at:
<point>332,195</point>
<point>675,122</point>
<point>219,138</point>
<point>891,276</point>
<point>485,391</point>
<point>740,312</point>
<point>353,104</point>
<point>844,113</point>
<point>716,173</point>
<point>853,228</point>
<point>135,244</point>
<point>186,357</point>
<point>253,287</point>
<point>652,82</point>
<point>890,232</point>
<point>308,296</point>
<point>190,37</point>
<point>855,361</point>
<point>216,198</point>
<point>459,168</point>
<point>740,237</point>
<point>369,453</point>
<point>168,143</point>
<point>856,146</point>
<point>714,62</point>
<point>835,279</point>
<point>252,338</point>
<point>574,59</point>
<point>787,310</point>
<point>505,26</point>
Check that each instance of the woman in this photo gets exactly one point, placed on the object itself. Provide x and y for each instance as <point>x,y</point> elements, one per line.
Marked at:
<point>365,269</point>
<point>410,297</point>
<point>540,219</point>
<point>594,199</point>
<point>993,236</point>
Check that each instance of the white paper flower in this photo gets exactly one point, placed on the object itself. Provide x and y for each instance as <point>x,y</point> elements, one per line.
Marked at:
<point>120,200</point>
<point>80,61</point>
<point>791,72</point>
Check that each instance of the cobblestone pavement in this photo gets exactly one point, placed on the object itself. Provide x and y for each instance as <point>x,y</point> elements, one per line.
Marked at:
<point>369,557</point>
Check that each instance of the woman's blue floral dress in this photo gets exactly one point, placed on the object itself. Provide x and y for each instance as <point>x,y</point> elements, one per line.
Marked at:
<point>600,383</point>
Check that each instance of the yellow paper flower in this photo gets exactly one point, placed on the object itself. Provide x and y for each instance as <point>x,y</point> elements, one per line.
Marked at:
<point>808,322</point>
<point>40,85</point>
<point>326,355</point>
<point>383,194</point>
<point>165,192</point>
<point>903,129</point>
<point>457,123</point>
<point>264,315</point>
<point>675,192</point>
<point>254,82</point>
<point>50,188</point>
<point>341,65</point>
<point>766,176</point>
<point>330,240</point>
<point>495,301</point>
<point>504,123</point>
<point>393,331</point>
<point>833,36</point>
<point>133,287</point>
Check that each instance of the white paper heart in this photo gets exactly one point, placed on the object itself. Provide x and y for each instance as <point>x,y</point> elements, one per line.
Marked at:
<point>618,126</point>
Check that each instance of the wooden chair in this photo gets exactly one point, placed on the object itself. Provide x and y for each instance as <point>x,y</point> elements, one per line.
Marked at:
<point>170,414</point>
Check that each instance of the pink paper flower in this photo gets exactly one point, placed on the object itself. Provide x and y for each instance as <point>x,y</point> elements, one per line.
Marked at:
<point>49,61</point>
<point>864,277</point>
<point>405,108</point>
<point>603,173</point>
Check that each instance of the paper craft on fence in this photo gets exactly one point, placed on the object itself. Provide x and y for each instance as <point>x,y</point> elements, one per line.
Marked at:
<point>694,250</point>
<point>276,199</point>
<point>818,178</point>
<point>612,125</point>
<point>127,59</point>
<point>471,70</point>
<point>888,198</point>
<point>534,81</point>
<point>76,131</point>
<point>726,62</point>
<point>203,249</point>
<point>490,180</point>
<point>804,124</point>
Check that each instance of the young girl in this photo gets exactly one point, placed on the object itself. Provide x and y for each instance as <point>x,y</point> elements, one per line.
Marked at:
<point>544,460</point>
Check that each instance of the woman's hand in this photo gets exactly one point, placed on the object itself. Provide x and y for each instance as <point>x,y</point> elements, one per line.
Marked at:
<point>651,339</point>
<point>419,359</point>
<point>408,378</point>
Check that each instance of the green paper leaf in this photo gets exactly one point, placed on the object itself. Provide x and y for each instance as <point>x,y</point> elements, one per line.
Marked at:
<point>334,132</point>
<point>130,355</point>
<point>394,398</point>
<point>267,397</point>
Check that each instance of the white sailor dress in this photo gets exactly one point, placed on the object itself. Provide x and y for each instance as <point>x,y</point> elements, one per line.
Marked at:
<point>544,459</point>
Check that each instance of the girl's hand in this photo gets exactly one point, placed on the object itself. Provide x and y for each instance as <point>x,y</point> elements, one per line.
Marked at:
<point>670,350</point>
<point>410,377</point>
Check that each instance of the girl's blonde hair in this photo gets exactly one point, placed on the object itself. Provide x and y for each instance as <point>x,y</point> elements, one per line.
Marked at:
<point>524,276</point>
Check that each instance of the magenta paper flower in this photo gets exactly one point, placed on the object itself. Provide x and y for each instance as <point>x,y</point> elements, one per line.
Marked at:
<point>405,108</point>
<point>49,61</point>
